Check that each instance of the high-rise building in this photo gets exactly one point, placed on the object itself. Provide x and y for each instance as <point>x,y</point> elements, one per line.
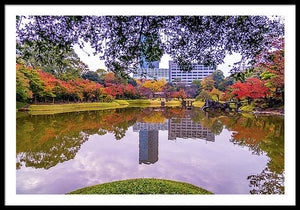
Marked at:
<point>174,74</point>
<point>198,72</point>
<point>145,64</point>
<point>152,73</point>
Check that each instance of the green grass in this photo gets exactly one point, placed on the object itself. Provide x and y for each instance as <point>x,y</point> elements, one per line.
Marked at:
<point>71,106</point>
<point>142,186</point>
<point>139,101</point>
<point>74,107</point>
<point>173,103</point>
<point>198,103</point>
<point>122,102</point>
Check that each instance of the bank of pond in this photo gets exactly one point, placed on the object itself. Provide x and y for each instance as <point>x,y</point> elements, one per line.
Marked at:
<point>73,107</point>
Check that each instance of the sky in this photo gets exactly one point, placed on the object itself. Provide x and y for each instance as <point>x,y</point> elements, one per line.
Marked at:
<point>95,63</point>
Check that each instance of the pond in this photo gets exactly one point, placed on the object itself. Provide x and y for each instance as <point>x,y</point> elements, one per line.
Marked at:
<point>225,153</point>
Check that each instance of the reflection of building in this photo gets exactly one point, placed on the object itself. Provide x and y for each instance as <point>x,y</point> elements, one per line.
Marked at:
<point>148,146</point>
<point>148,140</point>
<point>186,128</point>
<point>177,128</point>
<point>150,126</point>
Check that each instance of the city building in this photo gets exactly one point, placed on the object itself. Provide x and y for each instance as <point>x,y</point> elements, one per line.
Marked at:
<point>173,73</point>
<point>145,64</point>
<point>152,73</point>
<point>198,72</point>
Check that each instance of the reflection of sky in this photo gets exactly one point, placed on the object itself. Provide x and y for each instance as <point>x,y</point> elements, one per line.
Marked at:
<point>219,166</point>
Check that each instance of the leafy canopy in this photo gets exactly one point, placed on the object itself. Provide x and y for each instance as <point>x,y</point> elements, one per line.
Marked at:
<point>122,41</point>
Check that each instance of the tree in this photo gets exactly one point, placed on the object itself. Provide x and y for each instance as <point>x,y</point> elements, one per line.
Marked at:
<point>218,77</point>
<point>64,63</point>
<point>204,95</point>
<point>204,39</point>
<point>207,83</point>
<point>101,73</point>
<point>179,94</point>
<point>23,91</point>
<point>35,82</point>
<point>197,84</point>
<point>110,78</point>
<point>274,74</point>
<point>252,89</point>
<point>226,82</point>
<point>92,76</point>
<point>216,92</point>
<point>155,85</point>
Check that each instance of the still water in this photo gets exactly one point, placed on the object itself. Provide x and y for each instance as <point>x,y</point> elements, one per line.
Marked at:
<point>224,153</point>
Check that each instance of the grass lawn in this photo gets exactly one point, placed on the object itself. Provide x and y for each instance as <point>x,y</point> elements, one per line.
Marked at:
<point>198,103</point>
<point>142,186</point>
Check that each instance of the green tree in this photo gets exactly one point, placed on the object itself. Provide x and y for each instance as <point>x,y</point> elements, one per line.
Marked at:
<point>228,81</point>
<point>218,77</point>
<point>207,83</point>
<point>64,63</point>
<point>92,76</point>
<point>22,87</point>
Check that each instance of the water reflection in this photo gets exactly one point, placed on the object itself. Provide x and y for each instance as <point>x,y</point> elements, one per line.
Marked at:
<point>44,141</point>
<point>148,140</point>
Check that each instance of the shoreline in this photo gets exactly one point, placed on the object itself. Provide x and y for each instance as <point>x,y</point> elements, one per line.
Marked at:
<point>37,109</point>
<point>40,109</point>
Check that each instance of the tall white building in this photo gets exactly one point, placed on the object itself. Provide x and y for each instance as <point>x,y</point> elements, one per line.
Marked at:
<point>198,72</point>
<point>174,74</point>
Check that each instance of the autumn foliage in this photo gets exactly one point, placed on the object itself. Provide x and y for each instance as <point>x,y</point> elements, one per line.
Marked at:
<point>34,84</point>
<point>253,89</point>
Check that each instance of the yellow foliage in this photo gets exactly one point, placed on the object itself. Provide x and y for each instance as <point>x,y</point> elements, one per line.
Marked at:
<point>154,117</point>
<point>155,85</point>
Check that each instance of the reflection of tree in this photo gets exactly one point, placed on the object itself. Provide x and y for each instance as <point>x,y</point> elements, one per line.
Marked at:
<point>267,182</point>
<point>260,134</point>
<point>59,150</point>
<point>45,140</point>
<point>154,117</point>
<point>213,123</point>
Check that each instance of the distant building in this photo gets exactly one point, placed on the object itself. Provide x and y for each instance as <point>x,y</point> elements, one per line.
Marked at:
<point>145,64</point>
<point>198,72</point>
<point>173,73</point>
<point>151,73</point>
